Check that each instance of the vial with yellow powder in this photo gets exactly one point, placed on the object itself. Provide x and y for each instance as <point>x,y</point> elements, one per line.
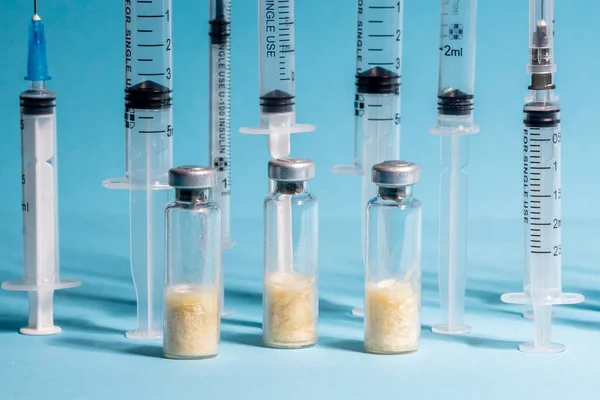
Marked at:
<point>192,297</point>
<point>290,297</point>
<point>393,262</point>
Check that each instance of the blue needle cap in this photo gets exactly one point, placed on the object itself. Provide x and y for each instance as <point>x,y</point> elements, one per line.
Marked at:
<point>37,65</point>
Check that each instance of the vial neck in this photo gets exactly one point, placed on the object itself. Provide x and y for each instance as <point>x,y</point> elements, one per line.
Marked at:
<point>192,195</point>
<point>291,187</point>
<point>395,193</point>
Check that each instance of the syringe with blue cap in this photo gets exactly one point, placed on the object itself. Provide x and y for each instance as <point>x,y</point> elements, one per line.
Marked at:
<point>542,186</point>
<point>39,184</point>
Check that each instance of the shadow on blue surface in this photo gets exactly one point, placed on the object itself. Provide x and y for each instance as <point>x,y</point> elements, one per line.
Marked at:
<point>94,266</point>
<point>12,322</point>
<point>85,298</point>
<point>243,338</point>
<point>104,346</point>
<point>354,345</point>
<point>241,322</point>
<point>470,340</point>
<point>357,345</point>
<point>580,323</point>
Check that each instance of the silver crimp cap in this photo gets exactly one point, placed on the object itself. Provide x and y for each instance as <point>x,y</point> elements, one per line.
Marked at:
<point>192,177</point>
<point>291,169</point>
<point>395,174</point>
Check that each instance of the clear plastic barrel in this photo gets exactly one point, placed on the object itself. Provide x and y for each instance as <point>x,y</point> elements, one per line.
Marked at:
<point>378,126</point>
<point>220,110</point>
<point>379,35</point>
<point>276,43</point>
<point>456,90</point>
<point>542,217</point>
<point>149,153</point>
<point>148,42</point>
<point>277,77</point>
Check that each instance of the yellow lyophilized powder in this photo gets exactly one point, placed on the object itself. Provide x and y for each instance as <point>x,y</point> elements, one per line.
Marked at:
<point>192,322</point>
<point>392,323</point>
<point>290,318</point>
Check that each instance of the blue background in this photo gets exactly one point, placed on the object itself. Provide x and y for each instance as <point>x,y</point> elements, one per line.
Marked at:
<point>92,359</point>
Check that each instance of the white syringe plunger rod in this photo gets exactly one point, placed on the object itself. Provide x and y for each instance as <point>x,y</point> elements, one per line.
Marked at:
<point>453,234</point>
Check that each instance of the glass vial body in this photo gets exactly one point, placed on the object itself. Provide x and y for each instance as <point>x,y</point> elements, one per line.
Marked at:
<point>393,272</point>
<point>193,276</point>
<point>290,296</point>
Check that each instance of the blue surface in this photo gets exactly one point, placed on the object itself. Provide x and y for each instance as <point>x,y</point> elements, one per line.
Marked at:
<point>91,358</point>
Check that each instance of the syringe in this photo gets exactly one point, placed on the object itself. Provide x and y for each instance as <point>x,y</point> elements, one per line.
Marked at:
<point>277,77</point>
<point>542,165</point>
<point>41,267</point>
<point>220,110</point>
<point>277,99</point>
<point>377,99</point>
<point>455,123</point>
<point>378,79</point>
<point>149,155</point>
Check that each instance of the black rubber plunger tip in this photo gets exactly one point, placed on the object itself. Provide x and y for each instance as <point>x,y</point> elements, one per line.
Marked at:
<point>219,30</point>
<point>148,95</point>
<point>378,80</point>
<point>455,102</point>
<point>277,101</point>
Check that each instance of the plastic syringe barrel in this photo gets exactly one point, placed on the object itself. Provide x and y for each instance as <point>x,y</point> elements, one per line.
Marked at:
<point>277,56</point>
<point>149,152</point>
<point>456,91</point>
<point>220,110</point>
<point>149,158</point>
<point>41,261</point>
<point>148,42</point>
<point>277,77</point>
<point>379,37</point>
<point>455,122</point>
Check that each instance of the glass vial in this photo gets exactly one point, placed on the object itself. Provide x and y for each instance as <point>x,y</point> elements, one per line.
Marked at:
<point>290,297</point>
<point>393,264</point>
<point>192,297</point>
